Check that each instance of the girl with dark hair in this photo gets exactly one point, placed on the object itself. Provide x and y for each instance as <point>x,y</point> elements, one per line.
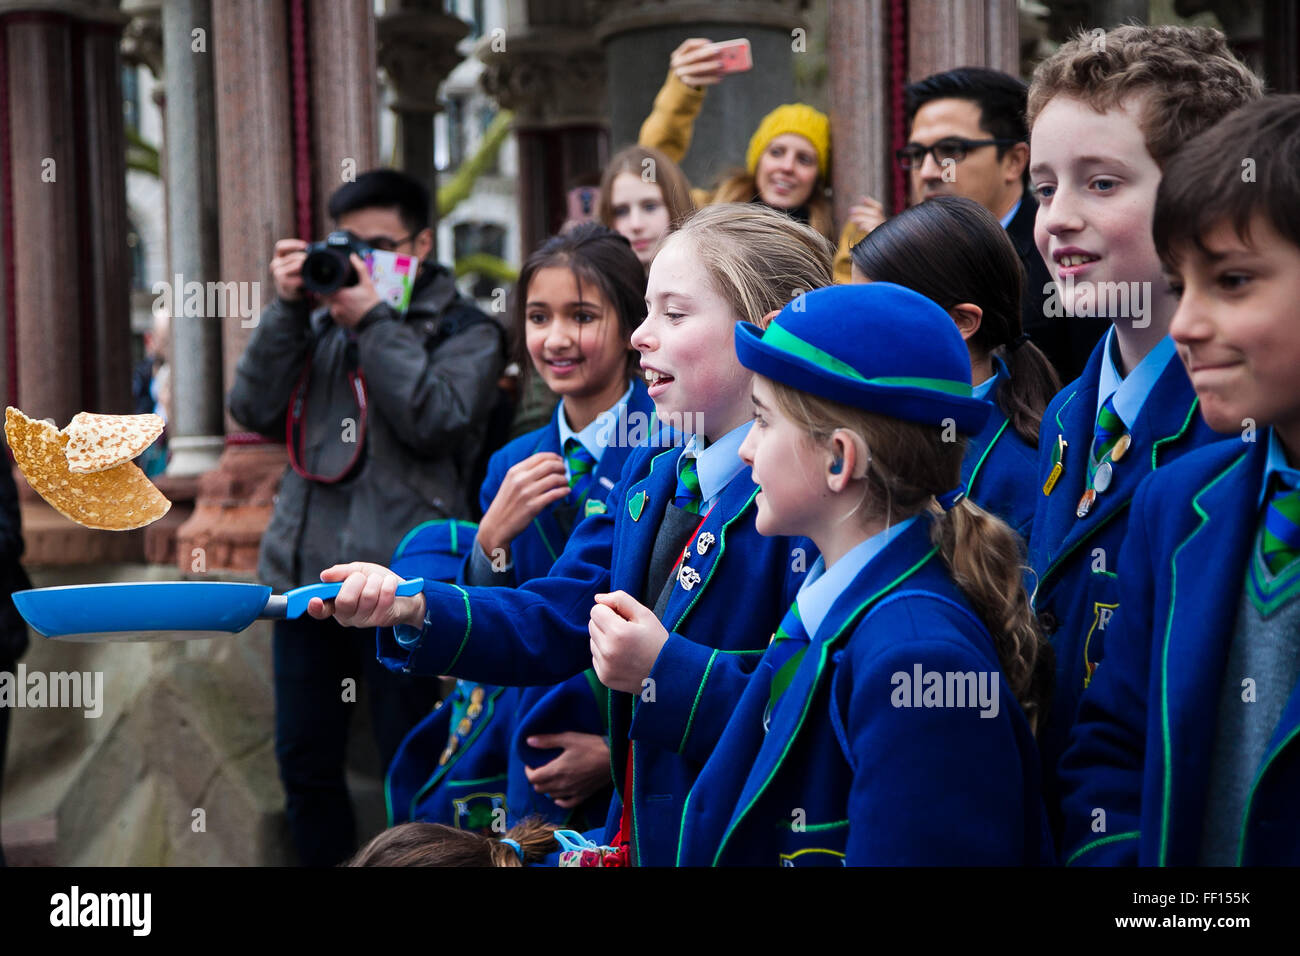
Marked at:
<point>952,251</point>
<point>644,195</point>
<point>503,753</point>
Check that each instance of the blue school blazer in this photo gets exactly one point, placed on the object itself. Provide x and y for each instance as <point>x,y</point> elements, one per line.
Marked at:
<point>999,467</point>
<point>486,772</point>
<point>1142,747</point>
<point>853,768</point>
<point>1076,562</point>
<point>718,628</point>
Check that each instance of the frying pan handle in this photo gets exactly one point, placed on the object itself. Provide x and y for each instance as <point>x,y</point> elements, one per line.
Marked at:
<point>293,604</point>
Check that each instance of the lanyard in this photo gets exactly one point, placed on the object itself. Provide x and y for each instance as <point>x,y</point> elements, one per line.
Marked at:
<point>297,414</point>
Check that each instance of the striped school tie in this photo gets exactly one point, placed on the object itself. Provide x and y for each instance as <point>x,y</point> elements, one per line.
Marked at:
<point>687,496</point>
<point>783,655</point>
<point>582,465</point>
<point>1279,542</point>
<point>1108,431</point>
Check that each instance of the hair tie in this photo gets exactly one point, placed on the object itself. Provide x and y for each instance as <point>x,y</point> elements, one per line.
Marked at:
<point>949,500</point>
<point>514,844</point>
<point>1018,341</point>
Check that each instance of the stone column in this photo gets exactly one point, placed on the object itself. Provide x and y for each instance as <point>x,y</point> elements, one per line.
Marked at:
<point>945,34</point>
<point>417,49</point>
<point>344,95</point>
<point>196,429</point>
<point>254,151</point>
<point>553,78</point>
<point>46,322</point>
<point>64,305</point>
<point>638,37</point>
<point>858,67</point>
<point>263,195</point>
<point>255,193</point>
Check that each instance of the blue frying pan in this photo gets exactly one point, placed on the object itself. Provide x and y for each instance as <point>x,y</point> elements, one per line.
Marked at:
<point>97,612</point>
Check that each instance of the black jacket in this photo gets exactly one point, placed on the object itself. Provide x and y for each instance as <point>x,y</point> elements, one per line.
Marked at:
<point>430,398</point>
<point>1066,341</point>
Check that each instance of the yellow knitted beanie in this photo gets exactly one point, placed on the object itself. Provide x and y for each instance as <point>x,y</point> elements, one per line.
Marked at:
<point>812,124</point>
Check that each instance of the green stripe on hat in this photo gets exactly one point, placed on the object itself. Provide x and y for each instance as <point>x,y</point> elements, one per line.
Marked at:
<point>780,338</point>
<point>937,384</point>
<point>786,341</point>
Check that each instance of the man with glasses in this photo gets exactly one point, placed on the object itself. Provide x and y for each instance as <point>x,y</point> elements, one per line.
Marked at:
<point>386,414</point>
<point>967,137</point>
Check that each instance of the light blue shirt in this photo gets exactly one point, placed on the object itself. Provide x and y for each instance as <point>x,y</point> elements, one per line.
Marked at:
<point>597,435</point>
<point>985,388</point>
<point>717,464</point>
<point>1131,392</point>
<point>1277,465</point>
<point>1006,220</point>
<point>822,586</point>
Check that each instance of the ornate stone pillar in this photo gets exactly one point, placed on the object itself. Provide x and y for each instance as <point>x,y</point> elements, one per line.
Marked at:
<point>343,83</point>
<point>196,429</point>
<point>858,65</point>
<point>64,272</point>
<point>638,37</point>
<point>945,34</point>
<point>274,175</point>
<point>552,77</point>
<point>65,301</point>
<point>417,50</point>
<point>255,193</point>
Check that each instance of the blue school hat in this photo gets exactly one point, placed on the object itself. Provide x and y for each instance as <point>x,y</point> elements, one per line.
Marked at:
<point>876,346</point>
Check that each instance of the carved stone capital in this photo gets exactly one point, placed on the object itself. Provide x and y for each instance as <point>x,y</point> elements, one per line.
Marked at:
<point>548,76</point>
<point>92,11</point>
<point>142,41</point>
<point>417,49</point>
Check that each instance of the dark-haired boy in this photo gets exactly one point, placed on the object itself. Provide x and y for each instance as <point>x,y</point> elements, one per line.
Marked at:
<point>1186,751</point>
<point>369,467</point>
<point>1106,112</point>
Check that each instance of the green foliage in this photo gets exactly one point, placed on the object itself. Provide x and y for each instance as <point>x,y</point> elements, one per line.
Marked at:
<point>141,156</point>
<point>461,184</point>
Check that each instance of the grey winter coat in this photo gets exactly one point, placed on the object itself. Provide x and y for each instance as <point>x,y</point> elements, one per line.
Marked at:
<point>430,396</point>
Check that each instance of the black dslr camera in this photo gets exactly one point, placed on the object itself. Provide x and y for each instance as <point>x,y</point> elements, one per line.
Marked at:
<point>327,267</point>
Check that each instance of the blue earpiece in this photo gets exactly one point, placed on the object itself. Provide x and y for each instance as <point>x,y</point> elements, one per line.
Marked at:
<point>837,466</point>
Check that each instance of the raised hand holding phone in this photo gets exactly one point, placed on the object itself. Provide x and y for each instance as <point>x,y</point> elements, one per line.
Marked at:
<point>734,56</point>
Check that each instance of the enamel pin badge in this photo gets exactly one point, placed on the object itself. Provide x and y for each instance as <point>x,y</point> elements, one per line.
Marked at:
<point>1058,464</point>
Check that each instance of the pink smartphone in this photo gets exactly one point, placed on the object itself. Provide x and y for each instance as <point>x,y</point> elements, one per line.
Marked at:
<point>735,56</point>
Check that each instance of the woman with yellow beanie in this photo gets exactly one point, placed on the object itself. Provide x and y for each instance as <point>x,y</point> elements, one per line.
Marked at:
<point>789,155</point>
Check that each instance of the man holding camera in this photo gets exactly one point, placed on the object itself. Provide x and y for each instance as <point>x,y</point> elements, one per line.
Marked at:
<point>385,415</point>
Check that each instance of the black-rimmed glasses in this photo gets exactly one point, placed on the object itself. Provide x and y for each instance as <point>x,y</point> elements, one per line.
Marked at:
<point>912,156</point>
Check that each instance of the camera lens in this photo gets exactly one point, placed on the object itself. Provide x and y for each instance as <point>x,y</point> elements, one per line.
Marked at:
<point>324,270</point>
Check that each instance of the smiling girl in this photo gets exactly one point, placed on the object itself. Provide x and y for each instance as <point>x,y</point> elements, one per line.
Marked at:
<point>788,157</point>
<point>673,593</point>
<point>643,196</point>
<point>540,751</point>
